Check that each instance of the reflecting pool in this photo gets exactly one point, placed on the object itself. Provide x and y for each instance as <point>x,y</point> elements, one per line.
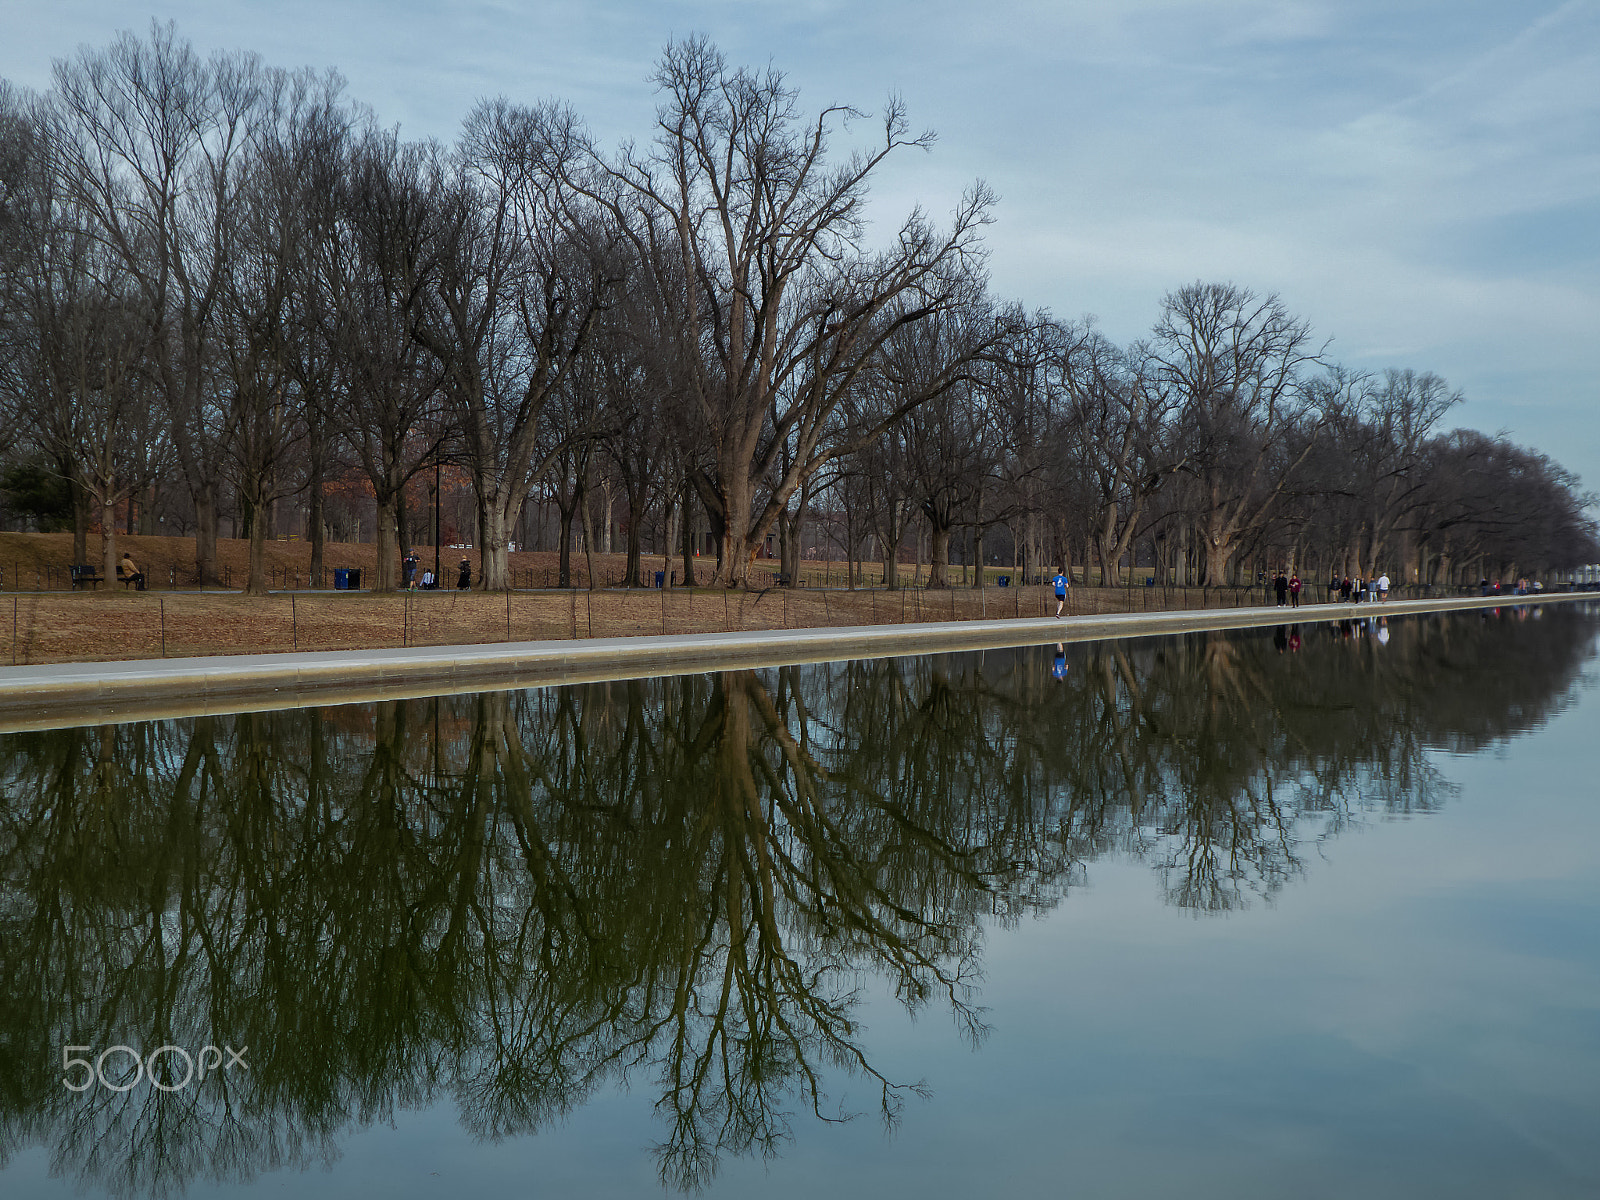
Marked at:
<point>1308,911</point>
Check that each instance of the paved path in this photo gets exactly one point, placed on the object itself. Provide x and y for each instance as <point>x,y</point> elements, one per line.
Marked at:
<point>43,697</point>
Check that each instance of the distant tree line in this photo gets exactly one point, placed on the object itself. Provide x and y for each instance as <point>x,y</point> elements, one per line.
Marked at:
<point>225,288</point>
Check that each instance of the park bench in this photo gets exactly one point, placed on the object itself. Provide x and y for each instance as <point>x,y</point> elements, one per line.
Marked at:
<point>783,579</point>
<point>84,575</point>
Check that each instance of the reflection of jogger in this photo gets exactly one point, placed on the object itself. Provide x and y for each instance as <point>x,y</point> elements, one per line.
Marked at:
<point>1061,591</point>
<point>1059,668</point>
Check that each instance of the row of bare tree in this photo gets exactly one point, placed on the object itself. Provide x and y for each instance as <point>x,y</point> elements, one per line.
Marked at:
<point>226,281</point>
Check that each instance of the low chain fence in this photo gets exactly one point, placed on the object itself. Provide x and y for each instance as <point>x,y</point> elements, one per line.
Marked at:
<point>105,625</point>
<point>17,576</point>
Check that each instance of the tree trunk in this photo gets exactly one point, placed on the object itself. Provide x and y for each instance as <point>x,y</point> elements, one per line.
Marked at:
<point>789,534</point>
<point>108,539</point>
<point>670,517</point>
<point>733,559</point>
<point>386,577</point>
<point>314,527</point>
<point>80,524</point>
<point>205,535</point>
<point>256,583</point>
<point>494,524</point>
<point>684,532</point>
<point>635,567</point>
<point>586,511</point>
<point>686,542</point>
<point>565,578</point>
<point>1110,568</point>
<point>402,523</point>
<point>1218,552</point>
<point>785,545</point>
<point>938,554</point>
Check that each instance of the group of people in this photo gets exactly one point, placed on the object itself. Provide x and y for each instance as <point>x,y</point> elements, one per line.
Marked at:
<point>1287,586</point>
<point>426,580</point>
<point>1342,589</point>
<point>1347,590</point>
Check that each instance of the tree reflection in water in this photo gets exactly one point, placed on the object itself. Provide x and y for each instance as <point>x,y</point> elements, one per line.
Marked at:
<point>513,898</point>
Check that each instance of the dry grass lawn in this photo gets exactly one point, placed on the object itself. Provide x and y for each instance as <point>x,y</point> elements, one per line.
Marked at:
<point>117,624</point>
<point>40,561</point>
<point>46,622</point>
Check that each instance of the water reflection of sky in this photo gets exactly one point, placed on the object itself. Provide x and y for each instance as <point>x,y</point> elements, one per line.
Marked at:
<point>1416,1014</point>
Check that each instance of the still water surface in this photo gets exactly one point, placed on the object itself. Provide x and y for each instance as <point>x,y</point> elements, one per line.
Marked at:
<point>1309,912</point>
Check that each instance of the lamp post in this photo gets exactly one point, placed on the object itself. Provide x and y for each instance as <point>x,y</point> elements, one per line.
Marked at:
<point>438,499</point>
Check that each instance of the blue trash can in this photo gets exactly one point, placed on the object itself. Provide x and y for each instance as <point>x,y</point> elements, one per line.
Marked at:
<point>661,578</point>
<point>1005,581</point>
<point>341,578</point>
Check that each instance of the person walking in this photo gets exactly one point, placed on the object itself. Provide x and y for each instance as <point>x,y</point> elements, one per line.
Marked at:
<point>1383,588</point>
<point>1062,584</point>
<point>464,581</point>
<point>408,570</point>
<point>1280,585</point>
<point>1333,588</point>
<point>1294,591</point>
<point>1344,590</point>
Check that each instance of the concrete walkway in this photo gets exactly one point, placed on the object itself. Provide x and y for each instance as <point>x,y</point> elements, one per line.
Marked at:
<point>52,696</point>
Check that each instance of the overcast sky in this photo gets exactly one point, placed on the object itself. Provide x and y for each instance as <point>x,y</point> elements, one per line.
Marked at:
<point>1420,179</point>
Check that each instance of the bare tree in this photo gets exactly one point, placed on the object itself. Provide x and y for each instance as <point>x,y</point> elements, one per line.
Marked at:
<point>151,142</point>
<point>299,126</point>
<point>1118,428</point>
<point>378,268</point>
<point>942,436</point>
<point>774,302</point>
<point>517,297</point>
<point>78,368</point>
<point>1235,362</point>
